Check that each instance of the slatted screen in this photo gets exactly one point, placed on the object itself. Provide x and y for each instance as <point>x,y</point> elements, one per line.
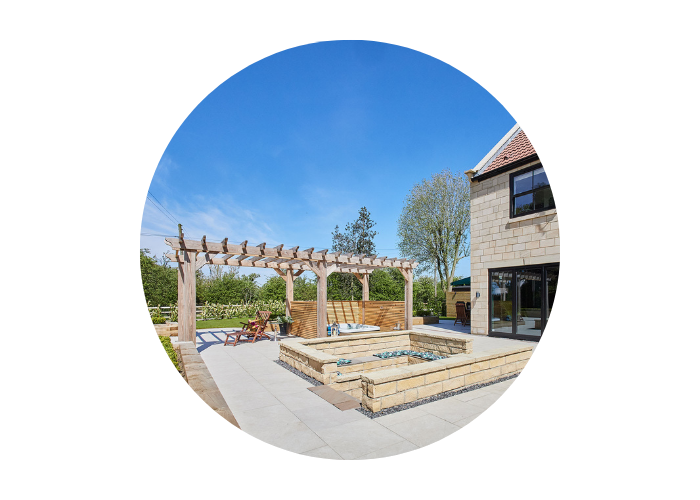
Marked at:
<point>384,314</point>
<point>344,311</point>
<point>304,315</point>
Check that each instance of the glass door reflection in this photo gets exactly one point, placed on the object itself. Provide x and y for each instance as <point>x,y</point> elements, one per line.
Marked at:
<point>552,281</point>
<point>529,300</point>
<point>502,302</point>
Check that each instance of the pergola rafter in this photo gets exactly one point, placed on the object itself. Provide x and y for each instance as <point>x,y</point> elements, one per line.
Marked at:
<point>191,255</point>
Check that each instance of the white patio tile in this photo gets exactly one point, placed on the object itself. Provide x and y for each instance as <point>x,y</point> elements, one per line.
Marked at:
<point>391,450</point>
<point>424,430</point>
<point>355,439</point>
<point>323,452</point>
<point>326,415</point>
<point>250,401</point>
<point>301,399</point>
<point>402,416</point>
<point>452,409</point>
<point>295,437</point>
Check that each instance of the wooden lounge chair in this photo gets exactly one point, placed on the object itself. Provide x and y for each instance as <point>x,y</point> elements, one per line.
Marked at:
<point>462,313</point>
<point>238,334</point>
<point>254,328</point>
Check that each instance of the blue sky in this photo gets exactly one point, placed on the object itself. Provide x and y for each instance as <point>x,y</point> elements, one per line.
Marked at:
<point>296,143</point>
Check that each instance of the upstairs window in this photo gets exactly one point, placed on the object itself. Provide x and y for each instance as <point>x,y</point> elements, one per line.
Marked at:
<point>530,192</point>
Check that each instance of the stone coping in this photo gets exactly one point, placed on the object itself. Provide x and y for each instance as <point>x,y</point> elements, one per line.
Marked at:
<point>412,370</point>
<point>200,380</point>
<point>308,349</point>
<point>363,336</point>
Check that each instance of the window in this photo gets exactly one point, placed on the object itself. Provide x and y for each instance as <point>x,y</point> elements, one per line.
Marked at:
<point>530,192</point>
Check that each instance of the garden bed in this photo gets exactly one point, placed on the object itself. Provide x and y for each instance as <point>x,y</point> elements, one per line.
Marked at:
<point>426,320</point>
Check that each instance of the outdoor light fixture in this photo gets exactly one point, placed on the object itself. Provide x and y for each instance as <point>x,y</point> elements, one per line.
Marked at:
<point>478,295</point>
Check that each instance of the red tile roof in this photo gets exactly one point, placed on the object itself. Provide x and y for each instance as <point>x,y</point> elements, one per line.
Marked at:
<point>518,148</point>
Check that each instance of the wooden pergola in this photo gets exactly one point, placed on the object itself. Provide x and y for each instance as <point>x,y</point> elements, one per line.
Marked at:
<point>191,255</point>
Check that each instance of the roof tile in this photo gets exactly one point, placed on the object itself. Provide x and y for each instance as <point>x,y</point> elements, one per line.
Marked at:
<point>519,148</point>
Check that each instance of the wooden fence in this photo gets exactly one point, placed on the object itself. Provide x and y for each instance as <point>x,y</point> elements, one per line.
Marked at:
<point>165,311</point>
<point>384,314</point>
<point>452,298</point>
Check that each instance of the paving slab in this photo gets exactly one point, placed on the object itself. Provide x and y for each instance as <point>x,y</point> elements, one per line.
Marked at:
<point>424,430</point>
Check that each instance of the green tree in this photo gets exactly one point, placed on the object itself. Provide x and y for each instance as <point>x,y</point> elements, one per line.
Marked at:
<point>434,224</point>
<point>386,284</point>
<point>304,288</point>
<point>275,288</point>
<point>159,281</point>
<point>358,239</point>
<point>229,288</point>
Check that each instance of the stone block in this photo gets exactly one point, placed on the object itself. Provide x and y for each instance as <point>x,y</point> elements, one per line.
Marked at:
<point>462,370</point>
<point>483,365</point>
<point>410,383</point>
<point>453,383</point>
<point>429,390</point>
<point>436,376</point>
<point>371,404</point>
<point>410,395</point>
<point>393,400</point>
<point>497,362</point>
<point>379,390</point>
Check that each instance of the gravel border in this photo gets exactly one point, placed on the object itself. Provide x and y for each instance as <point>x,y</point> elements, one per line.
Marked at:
<point>437,397</point>
<point>404,406</point>
<point>298,373</point>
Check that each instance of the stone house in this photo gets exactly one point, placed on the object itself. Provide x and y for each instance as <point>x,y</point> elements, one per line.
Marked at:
<point>514,241</point>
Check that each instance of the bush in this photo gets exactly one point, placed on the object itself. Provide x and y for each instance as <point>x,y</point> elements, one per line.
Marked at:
<point>168,346</point>
<point>230,311</point>
<point>158,320</point>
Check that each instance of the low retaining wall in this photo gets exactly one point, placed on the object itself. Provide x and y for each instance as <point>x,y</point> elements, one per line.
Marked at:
<point>426,320</point>
<point>405,384</point>
<point>166,329</point>
<point>383,383</point>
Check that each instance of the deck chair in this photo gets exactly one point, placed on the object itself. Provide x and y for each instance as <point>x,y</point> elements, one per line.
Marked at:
<point>238,333</point>
<point>257,326</point>
<point>461,309</point>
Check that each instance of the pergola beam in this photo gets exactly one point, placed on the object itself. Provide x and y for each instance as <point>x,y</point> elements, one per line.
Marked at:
<point>310,254</point>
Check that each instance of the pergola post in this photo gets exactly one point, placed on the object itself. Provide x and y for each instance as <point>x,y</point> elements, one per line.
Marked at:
<point>289,280</point>
<point>365,294</point>
<point>321,270</point>
<point>408,298</point>
<point>187,298</point>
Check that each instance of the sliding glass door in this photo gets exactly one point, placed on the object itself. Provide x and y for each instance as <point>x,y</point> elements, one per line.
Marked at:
<point>521,300</point>
<point>501,301</point>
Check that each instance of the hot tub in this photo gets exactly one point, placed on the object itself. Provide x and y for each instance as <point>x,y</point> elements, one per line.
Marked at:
<point>350,328</point>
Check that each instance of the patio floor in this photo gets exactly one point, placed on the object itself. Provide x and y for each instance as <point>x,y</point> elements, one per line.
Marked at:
<point>275,405</point>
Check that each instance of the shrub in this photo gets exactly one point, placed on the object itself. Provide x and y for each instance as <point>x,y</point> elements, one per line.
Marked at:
<point>168,346</point>
<point>158,320</point>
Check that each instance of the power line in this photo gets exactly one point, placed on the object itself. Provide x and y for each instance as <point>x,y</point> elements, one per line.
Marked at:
<point>159,203</point>
<point>161,211</point>
<point>164,210</point>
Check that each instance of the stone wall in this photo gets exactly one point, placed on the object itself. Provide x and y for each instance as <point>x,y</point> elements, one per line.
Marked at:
<point>318,358</point>
<point>426,320</point>
<point>394,386</point>
<point>498,241</point>
<point>166,329</point>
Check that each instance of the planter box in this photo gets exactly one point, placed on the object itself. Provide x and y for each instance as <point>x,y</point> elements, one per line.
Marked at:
<point>167,329</point>
<point>426,320</point>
